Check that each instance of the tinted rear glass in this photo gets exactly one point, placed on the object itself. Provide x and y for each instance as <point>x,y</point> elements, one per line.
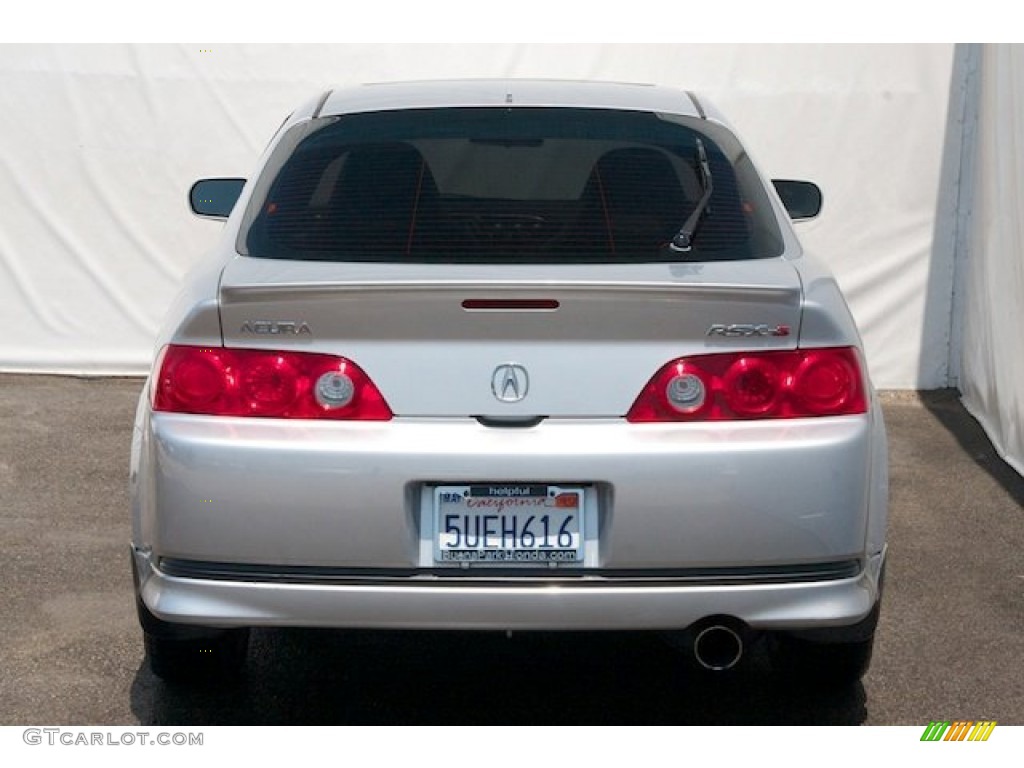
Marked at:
<point>495,185</point>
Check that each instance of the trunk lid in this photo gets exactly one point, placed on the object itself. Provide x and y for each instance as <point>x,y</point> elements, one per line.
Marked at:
<point>510,342</point>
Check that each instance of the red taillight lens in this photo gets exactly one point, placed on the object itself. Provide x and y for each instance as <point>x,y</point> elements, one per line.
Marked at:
<point>199,380</point>
<point>270,384</point>
<point>826,383</point>
<point>255,382</point>
<point>755,385</point>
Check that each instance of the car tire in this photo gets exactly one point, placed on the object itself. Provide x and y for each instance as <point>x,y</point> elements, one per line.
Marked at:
<point>184,653</point>
<point>830,656</point>
<point>825,665</point>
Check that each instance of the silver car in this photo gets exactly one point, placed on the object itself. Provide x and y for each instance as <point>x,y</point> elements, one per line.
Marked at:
<point>510,355</point>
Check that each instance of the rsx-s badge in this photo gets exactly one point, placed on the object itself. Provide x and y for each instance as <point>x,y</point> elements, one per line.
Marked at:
<point>275,327</point>
<point>746,330</point>
<point>510,383</point>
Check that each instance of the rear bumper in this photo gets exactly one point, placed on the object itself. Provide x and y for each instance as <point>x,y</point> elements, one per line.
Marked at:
<point>536,604</point>
<point>356,495</point>
<point>346,500</point>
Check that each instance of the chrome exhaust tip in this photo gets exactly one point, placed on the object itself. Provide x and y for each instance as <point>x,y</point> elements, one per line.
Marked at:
<point>718,647</point>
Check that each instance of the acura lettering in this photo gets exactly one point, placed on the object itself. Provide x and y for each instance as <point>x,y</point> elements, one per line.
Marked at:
<point>275,328</point>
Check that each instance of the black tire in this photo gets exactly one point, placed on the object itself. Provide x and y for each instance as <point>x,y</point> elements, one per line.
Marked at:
<point>830,657</point>
<point>188,661</point>
<point>825,665</point>
<point>185,653</point>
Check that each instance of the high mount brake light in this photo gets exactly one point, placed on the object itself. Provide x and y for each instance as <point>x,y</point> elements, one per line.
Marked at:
<point>253,382</point>
<point>754,385</point>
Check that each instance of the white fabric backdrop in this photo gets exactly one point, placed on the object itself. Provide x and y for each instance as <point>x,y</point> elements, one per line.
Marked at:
<point>992,367</point>
<point>99,144</point>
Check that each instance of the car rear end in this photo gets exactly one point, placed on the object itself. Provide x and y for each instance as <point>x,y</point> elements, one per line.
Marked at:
<point>525,361</point>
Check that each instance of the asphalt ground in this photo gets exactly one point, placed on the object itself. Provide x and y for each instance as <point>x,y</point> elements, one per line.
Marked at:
<point>949,645</point>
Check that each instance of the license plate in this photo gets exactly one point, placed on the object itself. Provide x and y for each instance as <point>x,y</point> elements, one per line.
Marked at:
<point>508,524</point>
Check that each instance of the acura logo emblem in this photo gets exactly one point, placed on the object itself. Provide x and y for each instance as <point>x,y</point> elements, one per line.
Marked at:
<point>510,383</point>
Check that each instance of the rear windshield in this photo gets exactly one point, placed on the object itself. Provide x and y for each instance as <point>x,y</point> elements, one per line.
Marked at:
<point>507,185</point>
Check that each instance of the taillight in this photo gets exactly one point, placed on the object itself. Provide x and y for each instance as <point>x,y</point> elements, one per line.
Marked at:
<point>755,385</point>
<point>255,382</point>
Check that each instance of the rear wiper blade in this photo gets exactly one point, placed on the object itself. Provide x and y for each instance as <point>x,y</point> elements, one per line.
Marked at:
<point>683,241</point>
